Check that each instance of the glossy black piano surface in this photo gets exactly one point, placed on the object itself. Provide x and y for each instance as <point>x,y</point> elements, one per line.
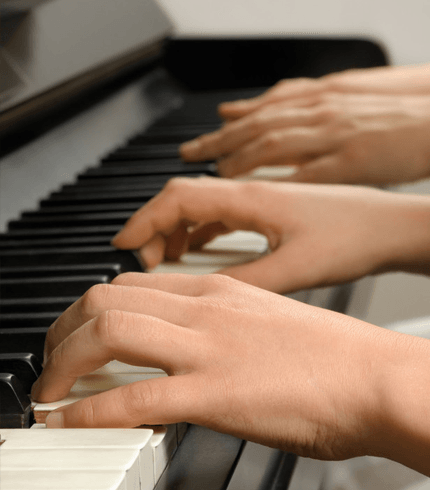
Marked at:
<point>52,254</point>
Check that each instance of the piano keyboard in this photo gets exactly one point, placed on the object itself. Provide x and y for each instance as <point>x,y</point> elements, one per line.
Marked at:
<point>49,258</point>
<point>132,458</point>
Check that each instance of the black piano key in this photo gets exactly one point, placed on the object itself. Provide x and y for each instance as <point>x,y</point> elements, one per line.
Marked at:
<point>156,181</point>
<point>155,151</point>
<point>97,187</point>
<point>163,126</point>
<point>67,256</point>
<point>158,151</point>
<point>106,207</point>
<point>131,165</point>
<point>189,130</point>
<point>48,286</point>
<point>27,339</point>
<point>82,241</point>
<point>15,404</point>
<point>72,220</point>
<point>161,137</point>
<point>174,134</point>
<point>28,320</point>
<point>36,305</point>
<point>86,198</point>
<point>61,232</point>
<point>24,365</point>
<point>109,270</point>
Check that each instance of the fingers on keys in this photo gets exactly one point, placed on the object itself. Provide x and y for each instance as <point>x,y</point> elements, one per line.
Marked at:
<point>164,225</point>
<point>132,292</point>
<point>183,347</point>
<point>158,401</point>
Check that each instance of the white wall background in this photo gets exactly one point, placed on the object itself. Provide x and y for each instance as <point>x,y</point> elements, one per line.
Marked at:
<point>403,26</point>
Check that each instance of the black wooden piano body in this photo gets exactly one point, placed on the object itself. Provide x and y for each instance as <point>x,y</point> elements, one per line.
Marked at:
<point>50,255</point>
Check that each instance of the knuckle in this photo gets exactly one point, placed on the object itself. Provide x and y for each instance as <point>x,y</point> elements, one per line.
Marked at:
<point>109,328</point>
<point>217,281</point>
<point>327,113</point>
<point>95,298</point>
<point>258,121</point>
<point>281,84</point>
<point>176,185</point>
<point>139,397</point>
<point>210,283</point>
<point>124,279</point>
<point>271,141</point>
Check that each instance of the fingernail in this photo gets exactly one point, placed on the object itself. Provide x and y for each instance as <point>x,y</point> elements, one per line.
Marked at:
<point>55,420</point>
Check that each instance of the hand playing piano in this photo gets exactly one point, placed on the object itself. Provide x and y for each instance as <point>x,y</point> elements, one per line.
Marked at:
<point>243,361</point>
<point>318,235</point>
<point>358,127</point>
<point>386,80</point>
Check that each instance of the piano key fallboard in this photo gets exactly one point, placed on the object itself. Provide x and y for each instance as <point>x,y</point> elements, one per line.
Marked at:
<point>50,256</point>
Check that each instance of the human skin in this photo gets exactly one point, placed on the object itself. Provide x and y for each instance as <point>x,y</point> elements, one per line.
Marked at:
<point>318,235</point>
<point>388,80</point>
<point>243,361</point>
<point>358,127</point>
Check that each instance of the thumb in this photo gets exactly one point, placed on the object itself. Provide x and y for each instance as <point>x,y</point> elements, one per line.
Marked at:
<point>166,400</point>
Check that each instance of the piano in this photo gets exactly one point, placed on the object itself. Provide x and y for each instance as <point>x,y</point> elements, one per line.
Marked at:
<point>83,145</point>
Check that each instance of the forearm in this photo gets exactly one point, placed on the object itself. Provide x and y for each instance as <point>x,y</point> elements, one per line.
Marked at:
<point>407,80</point>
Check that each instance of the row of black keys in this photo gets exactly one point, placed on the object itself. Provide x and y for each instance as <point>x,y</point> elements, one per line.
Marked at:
<point>51,256</point>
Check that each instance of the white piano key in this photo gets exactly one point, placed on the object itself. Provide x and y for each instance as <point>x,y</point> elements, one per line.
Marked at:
<point>233,248</point>
<point>134,439</point>
<point>90,385</point>
<point>164,445</point>
<point>270,173</point>
<point>80,459</point>
<point>117,367</point>
<point>62,480</point>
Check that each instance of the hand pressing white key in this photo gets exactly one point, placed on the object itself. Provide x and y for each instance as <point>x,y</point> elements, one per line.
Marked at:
<point>318,235</point>
<point>247,362</point>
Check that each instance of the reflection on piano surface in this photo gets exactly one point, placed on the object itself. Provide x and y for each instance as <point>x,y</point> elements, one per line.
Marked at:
<point>52,255</point>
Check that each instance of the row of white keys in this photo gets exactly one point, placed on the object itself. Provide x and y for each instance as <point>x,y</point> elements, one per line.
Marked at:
<point>227,250</point>
<point>62,480</point>
<point>164,439</point>
<point>139,455</point>
<point>125,455</point>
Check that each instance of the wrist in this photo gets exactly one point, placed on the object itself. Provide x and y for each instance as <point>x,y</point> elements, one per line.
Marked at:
<point>408,249</point>
<point>402,422</point>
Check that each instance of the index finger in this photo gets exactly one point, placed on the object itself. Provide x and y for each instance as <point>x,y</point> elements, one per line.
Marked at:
<point>135,339</point>
<point>199,201</point>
